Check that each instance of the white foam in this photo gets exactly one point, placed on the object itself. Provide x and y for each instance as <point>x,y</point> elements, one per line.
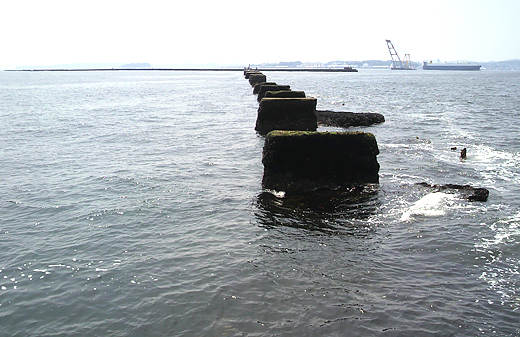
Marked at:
<point>504,230</point>
<point>495,164</point>
<point>431,205</point>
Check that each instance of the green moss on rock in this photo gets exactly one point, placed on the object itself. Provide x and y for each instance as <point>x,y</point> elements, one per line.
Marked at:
<point>248,73</point>
<point>285,94</point>
<point>257,78</point>
<point>265,88</point>
<point>257,86</point>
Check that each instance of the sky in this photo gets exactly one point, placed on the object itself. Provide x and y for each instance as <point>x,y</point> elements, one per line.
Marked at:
<point>166,33</point>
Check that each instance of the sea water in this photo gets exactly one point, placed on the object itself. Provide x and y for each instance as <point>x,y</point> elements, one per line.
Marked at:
<point>131,205</point>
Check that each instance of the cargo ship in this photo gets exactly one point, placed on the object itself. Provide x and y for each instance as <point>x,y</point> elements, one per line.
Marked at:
<point>450,66</point>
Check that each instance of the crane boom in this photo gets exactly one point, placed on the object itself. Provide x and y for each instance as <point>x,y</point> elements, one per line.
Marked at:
<point>397,63</point>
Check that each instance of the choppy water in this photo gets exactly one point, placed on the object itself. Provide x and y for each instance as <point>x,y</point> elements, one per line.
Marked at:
<point>131,205</point>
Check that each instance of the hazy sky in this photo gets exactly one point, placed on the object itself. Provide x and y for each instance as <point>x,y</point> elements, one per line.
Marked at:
<point>231,31</point>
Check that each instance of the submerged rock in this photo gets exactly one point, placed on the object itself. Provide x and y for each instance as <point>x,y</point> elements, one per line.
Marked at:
<point>466,191</point>
<point>348,119</point>
<point>297,161</point>
<point>286,114</point>
<point>463,153</point>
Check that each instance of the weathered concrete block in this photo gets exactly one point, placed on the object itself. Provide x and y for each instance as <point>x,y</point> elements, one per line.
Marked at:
<point>257,86</point>
<point>248,73</point>
<point>286,114</point>
<point>265,88</point>
<point>296,161</point>
<point>285,94</point>
<point>257,78</point>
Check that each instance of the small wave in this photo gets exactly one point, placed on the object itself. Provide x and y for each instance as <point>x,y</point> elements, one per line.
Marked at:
<point>487,154</point>
<point>431,205</point>
<point>505,230</point>
<point>502,266</point>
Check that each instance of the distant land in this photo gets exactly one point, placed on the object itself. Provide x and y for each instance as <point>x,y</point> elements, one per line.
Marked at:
<point>378,64</point>
<point>135,66</point>
<point>366,64</point>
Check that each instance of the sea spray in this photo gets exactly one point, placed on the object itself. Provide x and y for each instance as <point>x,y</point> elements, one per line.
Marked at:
<point>431,205</point>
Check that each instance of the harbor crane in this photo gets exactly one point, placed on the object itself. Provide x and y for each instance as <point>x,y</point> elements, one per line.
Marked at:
<point>397,63</point>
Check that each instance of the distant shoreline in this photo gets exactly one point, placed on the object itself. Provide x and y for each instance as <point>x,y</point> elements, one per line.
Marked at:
<point>320,70</point>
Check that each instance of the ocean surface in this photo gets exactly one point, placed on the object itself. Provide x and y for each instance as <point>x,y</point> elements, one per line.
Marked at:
<point>131,205</point>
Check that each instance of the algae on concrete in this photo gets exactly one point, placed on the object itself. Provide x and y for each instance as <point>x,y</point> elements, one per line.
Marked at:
<point>285,94</point>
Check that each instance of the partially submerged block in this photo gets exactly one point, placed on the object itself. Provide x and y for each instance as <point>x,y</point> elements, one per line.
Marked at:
<point>257,78</point>
<point>269,87</point>
<point>465,191</point>
<point>348,119</point>
<point>296,161</point>
<point>285,94</point>
<point>286,114</point>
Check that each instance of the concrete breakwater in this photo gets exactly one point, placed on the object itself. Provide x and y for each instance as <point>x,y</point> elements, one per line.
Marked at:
<point>315,70</point>
<point>309,165</point>
<point>298,159</point>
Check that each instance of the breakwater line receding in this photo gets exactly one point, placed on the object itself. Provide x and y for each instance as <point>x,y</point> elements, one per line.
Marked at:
<point>316,70</point>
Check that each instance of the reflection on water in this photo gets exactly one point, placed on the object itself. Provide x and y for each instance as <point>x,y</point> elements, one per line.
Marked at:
<point>315,257</point>
<point>330,211</point>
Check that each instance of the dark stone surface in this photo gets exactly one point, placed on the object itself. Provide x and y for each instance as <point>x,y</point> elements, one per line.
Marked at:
<point>286,114</point>
<point>297,161</point>
<point>466,191</point>
<point>285,94</point>
<point>265,88</point>
<point>348,119</point>
<point>463,153</point>
<point>257,78</point>
<point>248,73</point>
<point>257,86</point>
